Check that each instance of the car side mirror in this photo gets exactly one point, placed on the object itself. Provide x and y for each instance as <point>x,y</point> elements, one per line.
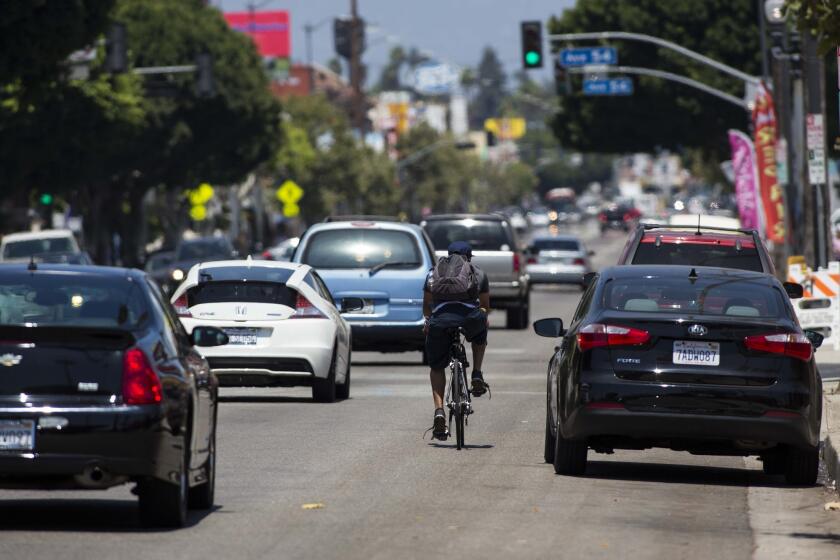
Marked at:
<point>815,338</point>
<point>794,290</point>
<point>549,328</point>
<point>209,336</point>
<point>588,278</point>
<point>350,304</point>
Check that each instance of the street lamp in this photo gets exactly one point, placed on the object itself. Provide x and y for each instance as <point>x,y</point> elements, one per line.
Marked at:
<point>774,11</point>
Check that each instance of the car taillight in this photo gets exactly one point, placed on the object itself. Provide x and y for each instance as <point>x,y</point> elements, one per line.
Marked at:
<point>182,307</point>
<point>788,344</point>
<point>305,310</point>
<point>267,256</point>
<point>579,261</point>
<point>596,335</point>
<point>532,260</point>
<point>516,264</point>
<point>602,217</point>
<point>140,383</point>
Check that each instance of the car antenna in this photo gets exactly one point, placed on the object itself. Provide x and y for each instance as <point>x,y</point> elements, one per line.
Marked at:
<point>698,225</point>
<point>32,266</point>
<point>692,276</point>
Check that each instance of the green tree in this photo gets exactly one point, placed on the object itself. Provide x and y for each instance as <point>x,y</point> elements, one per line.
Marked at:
<point>389,79</point>
<point>662,114</point>
<point>820,17</point>
<point>490,82</point>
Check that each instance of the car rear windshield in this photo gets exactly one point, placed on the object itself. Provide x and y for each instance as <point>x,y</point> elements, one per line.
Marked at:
<point>240,291</point>
<point>695,254</point>
<point>362,248</point>
<point>204,249</point>
<point>718,295</point>
<point>482,235</point>
<point>556,245</point>
<point>24,249</point>
<point>71,299</point>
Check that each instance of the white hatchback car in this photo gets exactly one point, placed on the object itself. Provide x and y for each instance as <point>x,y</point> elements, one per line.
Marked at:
<point>283,326</point>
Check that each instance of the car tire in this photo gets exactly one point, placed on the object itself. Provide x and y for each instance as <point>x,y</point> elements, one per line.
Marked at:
<point>569,456</point>
<point>162,503</point>
<point>773,463</point>
<point>203,496</point>
<point>802,465</point>
<point>550,439</point>
<point>323,390</point>
<point>342,390</point>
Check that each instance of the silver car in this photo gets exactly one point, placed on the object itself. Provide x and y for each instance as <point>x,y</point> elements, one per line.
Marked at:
<point>561,259</point>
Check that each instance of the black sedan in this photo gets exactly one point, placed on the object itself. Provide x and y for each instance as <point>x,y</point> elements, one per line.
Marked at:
<point>100,385</point>
<point>704,360</point>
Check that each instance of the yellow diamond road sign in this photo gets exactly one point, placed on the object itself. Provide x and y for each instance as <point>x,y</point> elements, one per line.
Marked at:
<point>289,192</point>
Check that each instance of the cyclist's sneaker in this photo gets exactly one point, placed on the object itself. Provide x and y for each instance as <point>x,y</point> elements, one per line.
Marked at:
<point>439,428</point>
<point>479,386</point>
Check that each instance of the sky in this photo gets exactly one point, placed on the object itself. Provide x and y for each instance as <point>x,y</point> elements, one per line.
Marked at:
<point>454,31</point>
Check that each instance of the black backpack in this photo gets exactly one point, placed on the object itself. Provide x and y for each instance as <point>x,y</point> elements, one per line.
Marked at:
<point>454,279</point>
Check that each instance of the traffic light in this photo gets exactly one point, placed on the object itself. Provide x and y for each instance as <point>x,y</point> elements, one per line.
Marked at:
<point>116,49</point>
<point>532,47</point>
<point>560,78</point>
<point>46,199</point>
<point>342,35</point>
<point>204,84</point>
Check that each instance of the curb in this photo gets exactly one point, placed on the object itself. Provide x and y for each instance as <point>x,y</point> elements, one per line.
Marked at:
<point>832,462</point>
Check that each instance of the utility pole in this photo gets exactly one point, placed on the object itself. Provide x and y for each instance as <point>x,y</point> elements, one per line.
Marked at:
<point>356,66</point>
<point>308,29</point>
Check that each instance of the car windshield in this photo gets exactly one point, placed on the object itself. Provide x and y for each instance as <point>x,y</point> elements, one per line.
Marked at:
<point>29,247</point>
<point>482,235</point>
<point>158,262</point>
<point>70,300</point>
<point>362,248</point>
<point>694,254</point>
<point>556,245</point>
<point>241,291</point>
<point>203,249</point>
<point>716,295</point>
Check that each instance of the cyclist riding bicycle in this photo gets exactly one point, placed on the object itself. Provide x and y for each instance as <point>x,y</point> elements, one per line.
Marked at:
<point>456,294</point>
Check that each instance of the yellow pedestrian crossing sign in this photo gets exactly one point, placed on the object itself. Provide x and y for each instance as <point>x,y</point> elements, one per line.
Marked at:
<point>289,192</point>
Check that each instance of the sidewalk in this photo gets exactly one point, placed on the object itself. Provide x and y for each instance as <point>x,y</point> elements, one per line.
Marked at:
<point>828,361</point>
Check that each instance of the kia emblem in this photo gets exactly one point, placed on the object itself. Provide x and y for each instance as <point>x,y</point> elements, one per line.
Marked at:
<point>698,330</point>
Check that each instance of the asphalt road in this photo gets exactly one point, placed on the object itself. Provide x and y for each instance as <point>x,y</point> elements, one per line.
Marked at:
<point>385,492</point>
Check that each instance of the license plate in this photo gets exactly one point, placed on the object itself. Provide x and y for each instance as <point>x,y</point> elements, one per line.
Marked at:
<point>242,337</point>
<point>17,435</point>
<point>694,353</point>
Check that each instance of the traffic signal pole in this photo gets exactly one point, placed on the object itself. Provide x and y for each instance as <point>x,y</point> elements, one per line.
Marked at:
<point>356,67</point>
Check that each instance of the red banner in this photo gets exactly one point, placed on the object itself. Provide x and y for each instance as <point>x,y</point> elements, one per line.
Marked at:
<point>269,30</point>
<point>772,195</point>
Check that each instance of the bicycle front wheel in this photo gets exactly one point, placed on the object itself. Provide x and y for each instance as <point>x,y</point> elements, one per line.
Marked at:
<point>459,400</point>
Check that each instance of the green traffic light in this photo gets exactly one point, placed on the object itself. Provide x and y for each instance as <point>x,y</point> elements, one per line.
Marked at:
<point>532,58</point>
<point>46,199</point>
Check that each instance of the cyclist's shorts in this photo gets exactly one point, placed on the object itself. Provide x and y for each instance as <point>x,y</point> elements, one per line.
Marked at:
<point>473,321</point>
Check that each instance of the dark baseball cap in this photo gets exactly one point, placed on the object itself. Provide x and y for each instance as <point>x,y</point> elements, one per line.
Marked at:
<point>460,248</point>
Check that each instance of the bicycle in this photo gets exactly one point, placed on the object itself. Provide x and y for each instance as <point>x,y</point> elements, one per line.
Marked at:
<point>458,393</point>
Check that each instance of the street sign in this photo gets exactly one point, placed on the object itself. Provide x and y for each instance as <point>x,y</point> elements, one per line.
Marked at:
<point>588,55</point>
<point>816,149</point>
<point>507,128</point>
<point>435,78</point>
<point>289,192</point>
<point>611,86</point>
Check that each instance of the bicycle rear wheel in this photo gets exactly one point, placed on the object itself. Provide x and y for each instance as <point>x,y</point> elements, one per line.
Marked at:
<point>458,398</point>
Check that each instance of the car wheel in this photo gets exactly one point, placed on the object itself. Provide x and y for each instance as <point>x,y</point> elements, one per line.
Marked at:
<point>550,439</point>
<point>802,466</point>
<point>342,390</point>
<point>323,390</point>
<point>773,463</point>
<point>203,495</point>
<point>569,456</point>
<point>163,503</point>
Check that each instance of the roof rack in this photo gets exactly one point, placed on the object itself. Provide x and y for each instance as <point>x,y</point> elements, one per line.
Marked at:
<point>701,227</point>
<point>362,218</point>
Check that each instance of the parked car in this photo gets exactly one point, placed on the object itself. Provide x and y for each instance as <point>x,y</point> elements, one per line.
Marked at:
<point>701,359</point>
<point>283,251</point>
<point>283,326</point>
<point>496,251</point>
<point>619,216</point>
<point>385,265</point>
<point>561,259</point>
<point>18,247</point>
<point>190,252</point>
<point>102,386</point>
<point>157,265</point>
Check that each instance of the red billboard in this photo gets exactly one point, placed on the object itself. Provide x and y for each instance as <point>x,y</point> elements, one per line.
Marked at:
<point>269,30</point>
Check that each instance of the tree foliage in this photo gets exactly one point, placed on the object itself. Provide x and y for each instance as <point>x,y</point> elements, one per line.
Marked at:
<point>820,17</point>
<point>662,114</point>
<point>490,81</point>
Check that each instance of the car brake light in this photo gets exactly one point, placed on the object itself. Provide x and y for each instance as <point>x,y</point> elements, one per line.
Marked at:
<point>596,335</point>
<point>140,383</point>
<point>267,255</point>
<point>788,344</point>
<point>602,217</point>
<point>516,264</point>
<point>305,310</point>
<point>182,307</point>
<point>579,261</point>
<point>532,260</point>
